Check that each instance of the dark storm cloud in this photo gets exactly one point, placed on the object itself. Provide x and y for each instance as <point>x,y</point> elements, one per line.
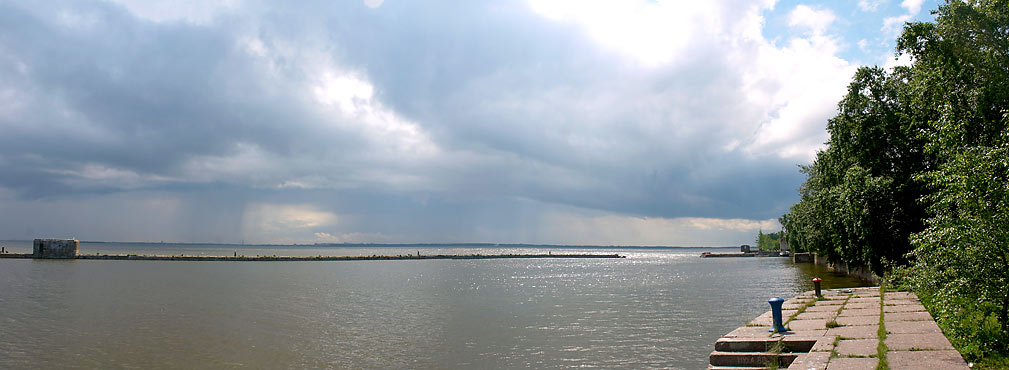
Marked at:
<point>513,106</point>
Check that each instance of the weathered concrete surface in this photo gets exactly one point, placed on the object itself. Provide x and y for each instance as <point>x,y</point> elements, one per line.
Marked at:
<point>852,363</point>
<point>802,258</point>
<point>856,347</point>
<point>931,360</point>
<point>918,341</point>
<point>55,248</point>
<point>913,338</point>
<point>860,332</point>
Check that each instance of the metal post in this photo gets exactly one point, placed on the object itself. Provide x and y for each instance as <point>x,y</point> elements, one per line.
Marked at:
<point>816,286</point>
<point>776,303</point>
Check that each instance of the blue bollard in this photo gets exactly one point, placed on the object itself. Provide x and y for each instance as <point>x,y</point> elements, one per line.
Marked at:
<point>776,303</point>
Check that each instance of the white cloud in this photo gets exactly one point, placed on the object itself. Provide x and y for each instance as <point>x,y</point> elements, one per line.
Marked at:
<point>893,25</point>
<point>653,33</point>
<point>347,92</point>
<point>790,91</point>
<point>284,223</point>
<point>902,60</point>
<point>323,237</point>
<point>799,86</point>
<point>193,11</point>
<point>573,227</point>
<point>912,6</point>
<point>813,20</point>
<point>870,5</point>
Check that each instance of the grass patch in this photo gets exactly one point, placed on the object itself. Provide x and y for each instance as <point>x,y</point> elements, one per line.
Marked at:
<point>993,362</point>
<point>833,324</point>
<point>776,350</point>
<point>800,310</point>
<point>833,348</point>
<point>845,303</point>
<point>881,348</point>
<point>972,326</point>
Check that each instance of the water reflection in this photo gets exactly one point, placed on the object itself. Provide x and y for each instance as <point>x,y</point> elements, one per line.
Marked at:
<point>654,309</point>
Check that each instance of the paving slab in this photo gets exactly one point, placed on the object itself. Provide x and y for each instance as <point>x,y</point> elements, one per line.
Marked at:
<point>836,297</point>
<point>819,307</point>
<point>907,316</point>
<point>815,324</point>
<point>858,320</point>
<point>801,333</point>
<point>860,312</point>
<point>919,341</point>
<point>904,308</point>
<point>816,315</point>
<point>889,301</point>
<point>825,344</point>
<point>861,305</point>
<point>914,340</point>
<point>749,332</point>
<point>900,295</point>
<point>851,363</point>
<point>857,347</point>
<point>857,332</point>
<point>831,301</point>
<point>810,361</point>
<point>761,321</point>
<point>931,360</point>
<point>912,327</point>
<point>864,300</point>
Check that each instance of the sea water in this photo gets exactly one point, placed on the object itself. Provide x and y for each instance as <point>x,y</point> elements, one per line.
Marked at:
<point>657,308</point>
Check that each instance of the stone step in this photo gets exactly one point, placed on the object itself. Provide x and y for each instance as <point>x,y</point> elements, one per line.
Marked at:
<point>751,359</point>
<point>763,344</point>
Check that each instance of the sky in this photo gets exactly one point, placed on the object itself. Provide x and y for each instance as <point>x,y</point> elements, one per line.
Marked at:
<point>624,122</point>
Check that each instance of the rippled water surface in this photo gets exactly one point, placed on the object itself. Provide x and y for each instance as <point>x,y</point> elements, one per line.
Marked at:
<point>653,309</point>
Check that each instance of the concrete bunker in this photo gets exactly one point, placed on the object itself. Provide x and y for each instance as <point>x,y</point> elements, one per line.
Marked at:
<point>55,248</point>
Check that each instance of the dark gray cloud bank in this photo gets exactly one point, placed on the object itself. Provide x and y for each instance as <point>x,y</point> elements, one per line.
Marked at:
<point>410,121</point>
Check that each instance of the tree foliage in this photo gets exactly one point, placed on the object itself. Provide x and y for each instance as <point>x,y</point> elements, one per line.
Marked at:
<point>858,204</point>
<point>918,157</point>
<point>769,241</point>
<point>964,252</point>
<point>961,260</point>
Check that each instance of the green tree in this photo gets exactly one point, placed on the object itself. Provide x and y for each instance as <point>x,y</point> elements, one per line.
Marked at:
<point>963,255</point>
<point>919,157</point>
<point>769,241</point>
<point>859,202</point>
<point>862,199</point>
<point>960,263</point>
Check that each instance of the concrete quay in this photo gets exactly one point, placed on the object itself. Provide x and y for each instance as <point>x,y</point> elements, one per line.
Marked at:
<point>841,330</point>
<point>134,257</point>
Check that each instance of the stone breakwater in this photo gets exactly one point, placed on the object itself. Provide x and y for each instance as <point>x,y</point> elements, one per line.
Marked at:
<point>134,257</point>
<point>844,329</point>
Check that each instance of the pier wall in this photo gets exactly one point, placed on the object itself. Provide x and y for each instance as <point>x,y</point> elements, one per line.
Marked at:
<point>843,268</point>
<point>803,257</point>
